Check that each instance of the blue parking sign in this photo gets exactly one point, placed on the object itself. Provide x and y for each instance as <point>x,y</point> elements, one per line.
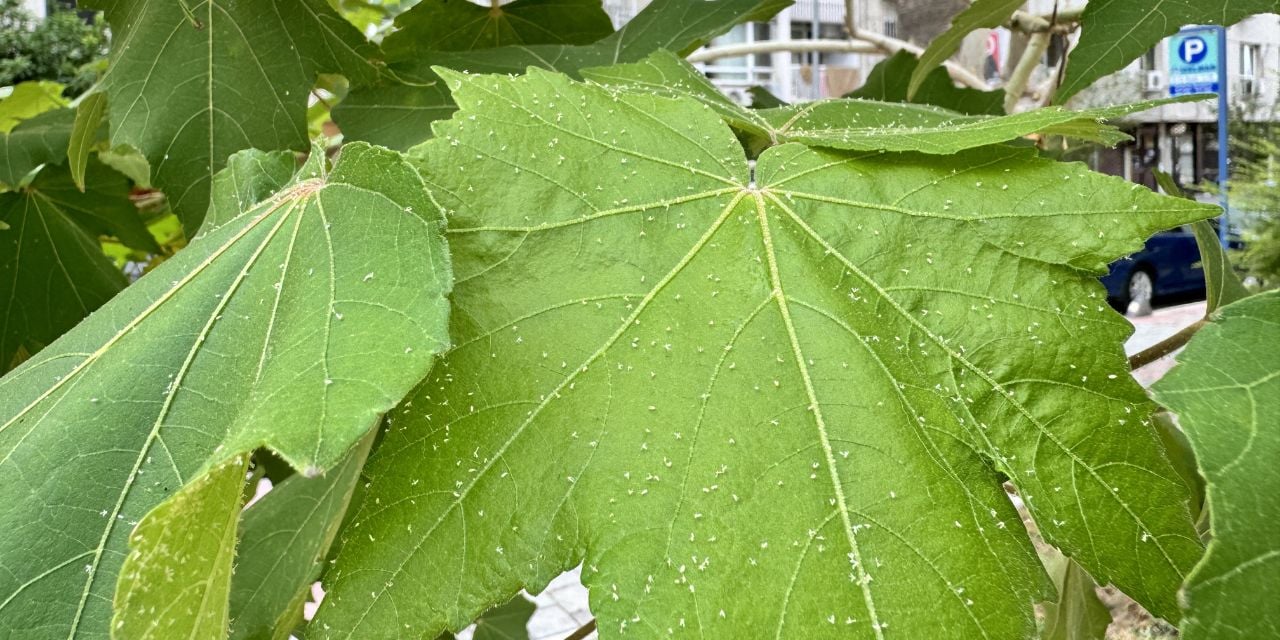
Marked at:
<point>1193,62</point>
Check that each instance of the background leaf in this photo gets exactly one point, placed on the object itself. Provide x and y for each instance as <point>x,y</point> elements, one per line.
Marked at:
<point>286,536</point>
<point>1226,393</point>
<point>890,78</point>
<point>397,113</point>
<point>33,142</point>
<point>294,327</point>
<point>981,14</point>
<point>86,133</point>
<point>458,25</point>
<point>681,350</point>
<point>1077,614</point>
<point>175,582</point>
<point>1116,32</point>
<point>52,270</point>
<point>29,99</point>
<point>189,86</point>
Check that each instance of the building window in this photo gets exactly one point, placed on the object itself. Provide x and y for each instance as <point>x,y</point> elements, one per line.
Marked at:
<point>1249,56</point>
<point>891,27</point>
<point>1148,61</point>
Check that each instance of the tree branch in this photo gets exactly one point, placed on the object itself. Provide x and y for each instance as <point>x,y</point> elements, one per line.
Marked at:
<point>1166,346</point>
<point>1029,23</point>
<point>864,43</point>
<point>583,631</point>
<point>1017,85</point>
<point>850,29</point>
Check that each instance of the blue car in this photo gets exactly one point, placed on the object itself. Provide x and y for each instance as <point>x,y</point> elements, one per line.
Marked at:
<point>1168,266</point>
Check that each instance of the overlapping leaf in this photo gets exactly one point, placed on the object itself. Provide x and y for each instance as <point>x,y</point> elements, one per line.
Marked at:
<point>190,83</point>
<point>1116,32</point>
<point>890,78</point>
<point>286,536</point>
<point>398,112</point>
<point>776,402</point>
<point>27,100</point>
<point>292,326</point>
<point>459,25</point>
<point>981,14</point>
<point>52,270</point>
<point>863,125</point>
<point>1226,393</point>
<point>33,142</point>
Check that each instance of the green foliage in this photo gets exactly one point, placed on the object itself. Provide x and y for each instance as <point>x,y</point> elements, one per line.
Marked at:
<point>757,372</point>
<point>1116,32</point>
<point>861,125</point>
<point>1077,614</point>
<point>59,48</point>
<point>982,14</point>
<point>188,88</point>
<point>1226,393</point>
<point>52,271</point>
<point>27,100</point>
<point>450,25</point>
<point>889,81</point>
<point>398,112</point>
<point>286,537</point>
<point>273,330</point>
<point>680,344</point>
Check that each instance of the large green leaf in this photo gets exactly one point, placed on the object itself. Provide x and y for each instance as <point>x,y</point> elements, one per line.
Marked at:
<point>398,111</point>
<point>102,208</point>
<point>889,79</point>
<point>39,140</point>
<point>27,100</point>
<point>86,133</point>
<point>1117,32</point>
<point>460,25</point>
<point>982,14</point>
<point>293,326</point>
<point>286,536</point>
<point>862,125</point>
<point>190,83</point>
<point>52,270</point>
<point>1077,614</point>
<point>176,581</point>
<point>1226,393</point>
<point>779,401</point>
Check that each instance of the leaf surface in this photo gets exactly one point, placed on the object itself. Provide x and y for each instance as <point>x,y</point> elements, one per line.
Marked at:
<point>862,124</point>
<point>451,25</point>
<point>783,404</point>
<point>27,100</point>
<point>190,83</point>
<point>1077,614</point>
<point>86,132</point>
<point>285,537</point>
<point>889,79</point>
<point>1226,393</point>
<point>294,327</point>
<point>1116,32</point>
<point>39,140</point>
<point>981,14</point>
<point>398,112</point>
<point>52,270</point>
<point>175,582</point>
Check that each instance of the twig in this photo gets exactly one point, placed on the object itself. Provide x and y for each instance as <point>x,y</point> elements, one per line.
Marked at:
<point>1017,85</point>
<point>1061,21</point>
<point>1166,346</point>
<point>864,43</point>
<point>583,631</point>
<point>850,29</point>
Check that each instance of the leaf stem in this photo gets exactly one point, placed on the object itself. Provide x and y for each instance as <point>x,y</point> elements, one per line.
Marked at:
<point>583,631</point>
<point>1166,346</point>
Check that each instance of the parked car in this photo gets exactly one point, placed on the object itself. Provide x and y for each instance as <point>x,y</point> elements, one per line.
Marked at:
<point>1168,266</point>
